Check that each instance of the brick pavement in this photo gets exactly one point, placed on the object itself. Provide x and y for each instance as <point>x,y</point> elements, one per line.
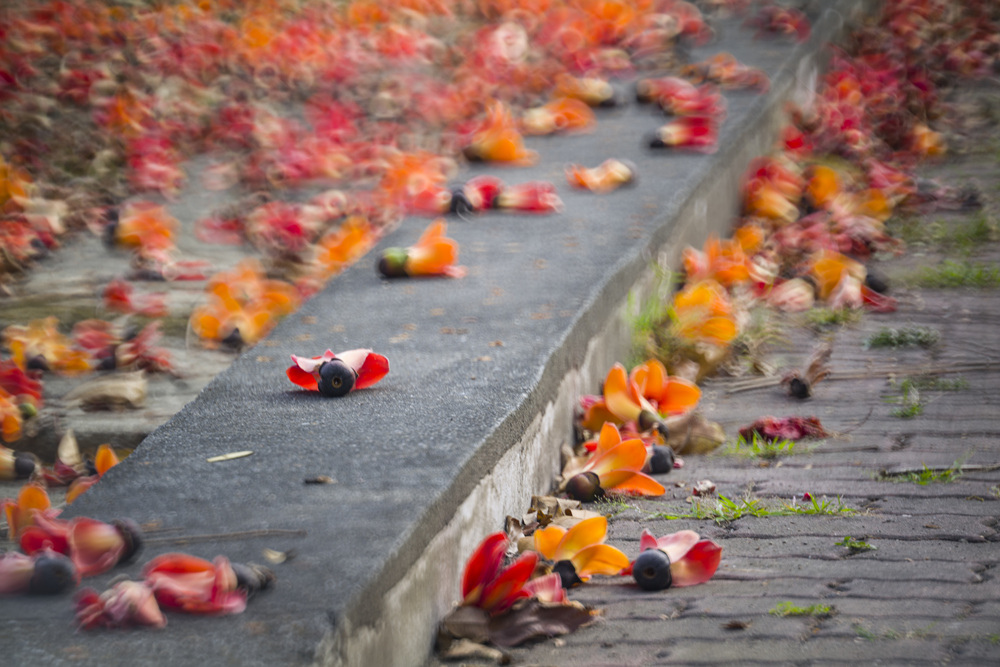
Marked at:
<point>928,592</point>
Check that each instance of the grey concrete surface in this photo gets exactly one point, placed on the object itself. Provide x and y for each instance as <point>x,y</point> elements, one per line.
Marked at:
<point>467,424</point>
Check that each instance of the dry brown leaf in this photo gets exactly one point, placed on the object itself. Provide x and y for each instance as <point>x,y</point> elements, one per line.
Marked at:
<point>531,619</point>
<point>695,434</point>
<point>111,392</point>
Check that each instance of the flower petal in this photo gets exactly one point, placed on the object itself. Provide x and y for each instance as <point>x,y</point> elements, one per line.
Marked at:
<point>302,378</point>
<point>587,532</point>
<point>508,586</point>
<point>95,546</point>
<point>599,559</point>
<point>676,545</point>
<point>374,368</point>
<point>628,481</point>
<point>547,588</point>
<point>483,565</point>
<point>547,540</point>
<point>628,455</point>
<point>698,565</point>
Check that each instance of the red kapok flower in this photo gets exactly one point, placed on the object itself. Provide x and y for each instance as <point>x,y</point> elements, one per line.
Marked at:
<point>493,588</point>
<point>194,585</point>
<point>336,374</point>
<point>689,560</point>
<point>127,603</point>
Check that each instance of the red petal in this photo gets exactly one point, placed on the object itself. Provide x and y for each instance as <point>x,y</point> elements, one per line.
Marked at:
<point>508,587</point>
<point>303,379</point>
<point>698,565</point>
<point>484,564</point>
<point>374,368</point>
<point>547,588</point>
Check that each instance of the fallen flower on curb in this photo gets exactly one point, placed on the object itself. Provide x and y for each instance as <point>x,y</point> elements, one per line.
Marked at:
<point>677,559</point>
<point>44,573</point>
<point>434,254</point>
<point>196,586</point>
<point>579,552</point>
<point>697,133</point>
<point>606,177</point>
<point>337,374</point>
<point>127,603</point>
<point>94,546</point>
<point>504,606</point>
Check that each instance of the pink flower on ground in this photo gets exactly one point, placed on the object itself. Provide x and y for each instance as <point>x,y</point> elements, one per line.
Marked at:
<point>125,604</point>
<point>689,560</point>
<point>336,374</point>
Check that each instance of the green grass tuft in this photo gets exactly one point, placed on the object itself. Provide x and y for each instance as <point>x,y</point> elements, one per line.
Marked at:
<point>790,609</point>
<point>903,337</point>
<point>759,447</point>
<point>957,274</point>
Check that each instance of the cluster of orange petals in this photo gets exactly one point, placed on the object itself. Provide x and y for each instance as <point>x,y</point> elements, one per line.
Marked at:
<point>498,139</point>
<point>563,114</point>
<point>244,302</point>
<point>704,313</point>
<point>647,388</point>
<point>583,546</point>
<point>618,465</point>
<point>41,341</point>
<point>147,228</point>
<point>104,460</point>
<point>607,176</point>
<point>724,261</point>
<point>344,245</point>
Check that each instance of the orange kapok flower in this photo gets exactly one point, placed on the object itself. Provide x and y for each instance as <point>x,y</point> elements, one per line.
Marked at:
<point>488,585</point>
<point>20,513</point>
<point>607,176</point>
<point>704,314</point>
<point>243,305</point>
<point>614,467</point>
<point>823,186</point>
<point>579,552</point>
<point>564,114</point>
<point>40,345</point>
<point>498,140</point>
<point>340,248</point>
<point>104,460</point>
<point>623,400</point>
<point>433,255</point>
<point>723,261</point>
<point>147,227</point>
<point>11,420</point>
<point>827,269</point>
<point>336,374</point>
<point>669,395</point>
